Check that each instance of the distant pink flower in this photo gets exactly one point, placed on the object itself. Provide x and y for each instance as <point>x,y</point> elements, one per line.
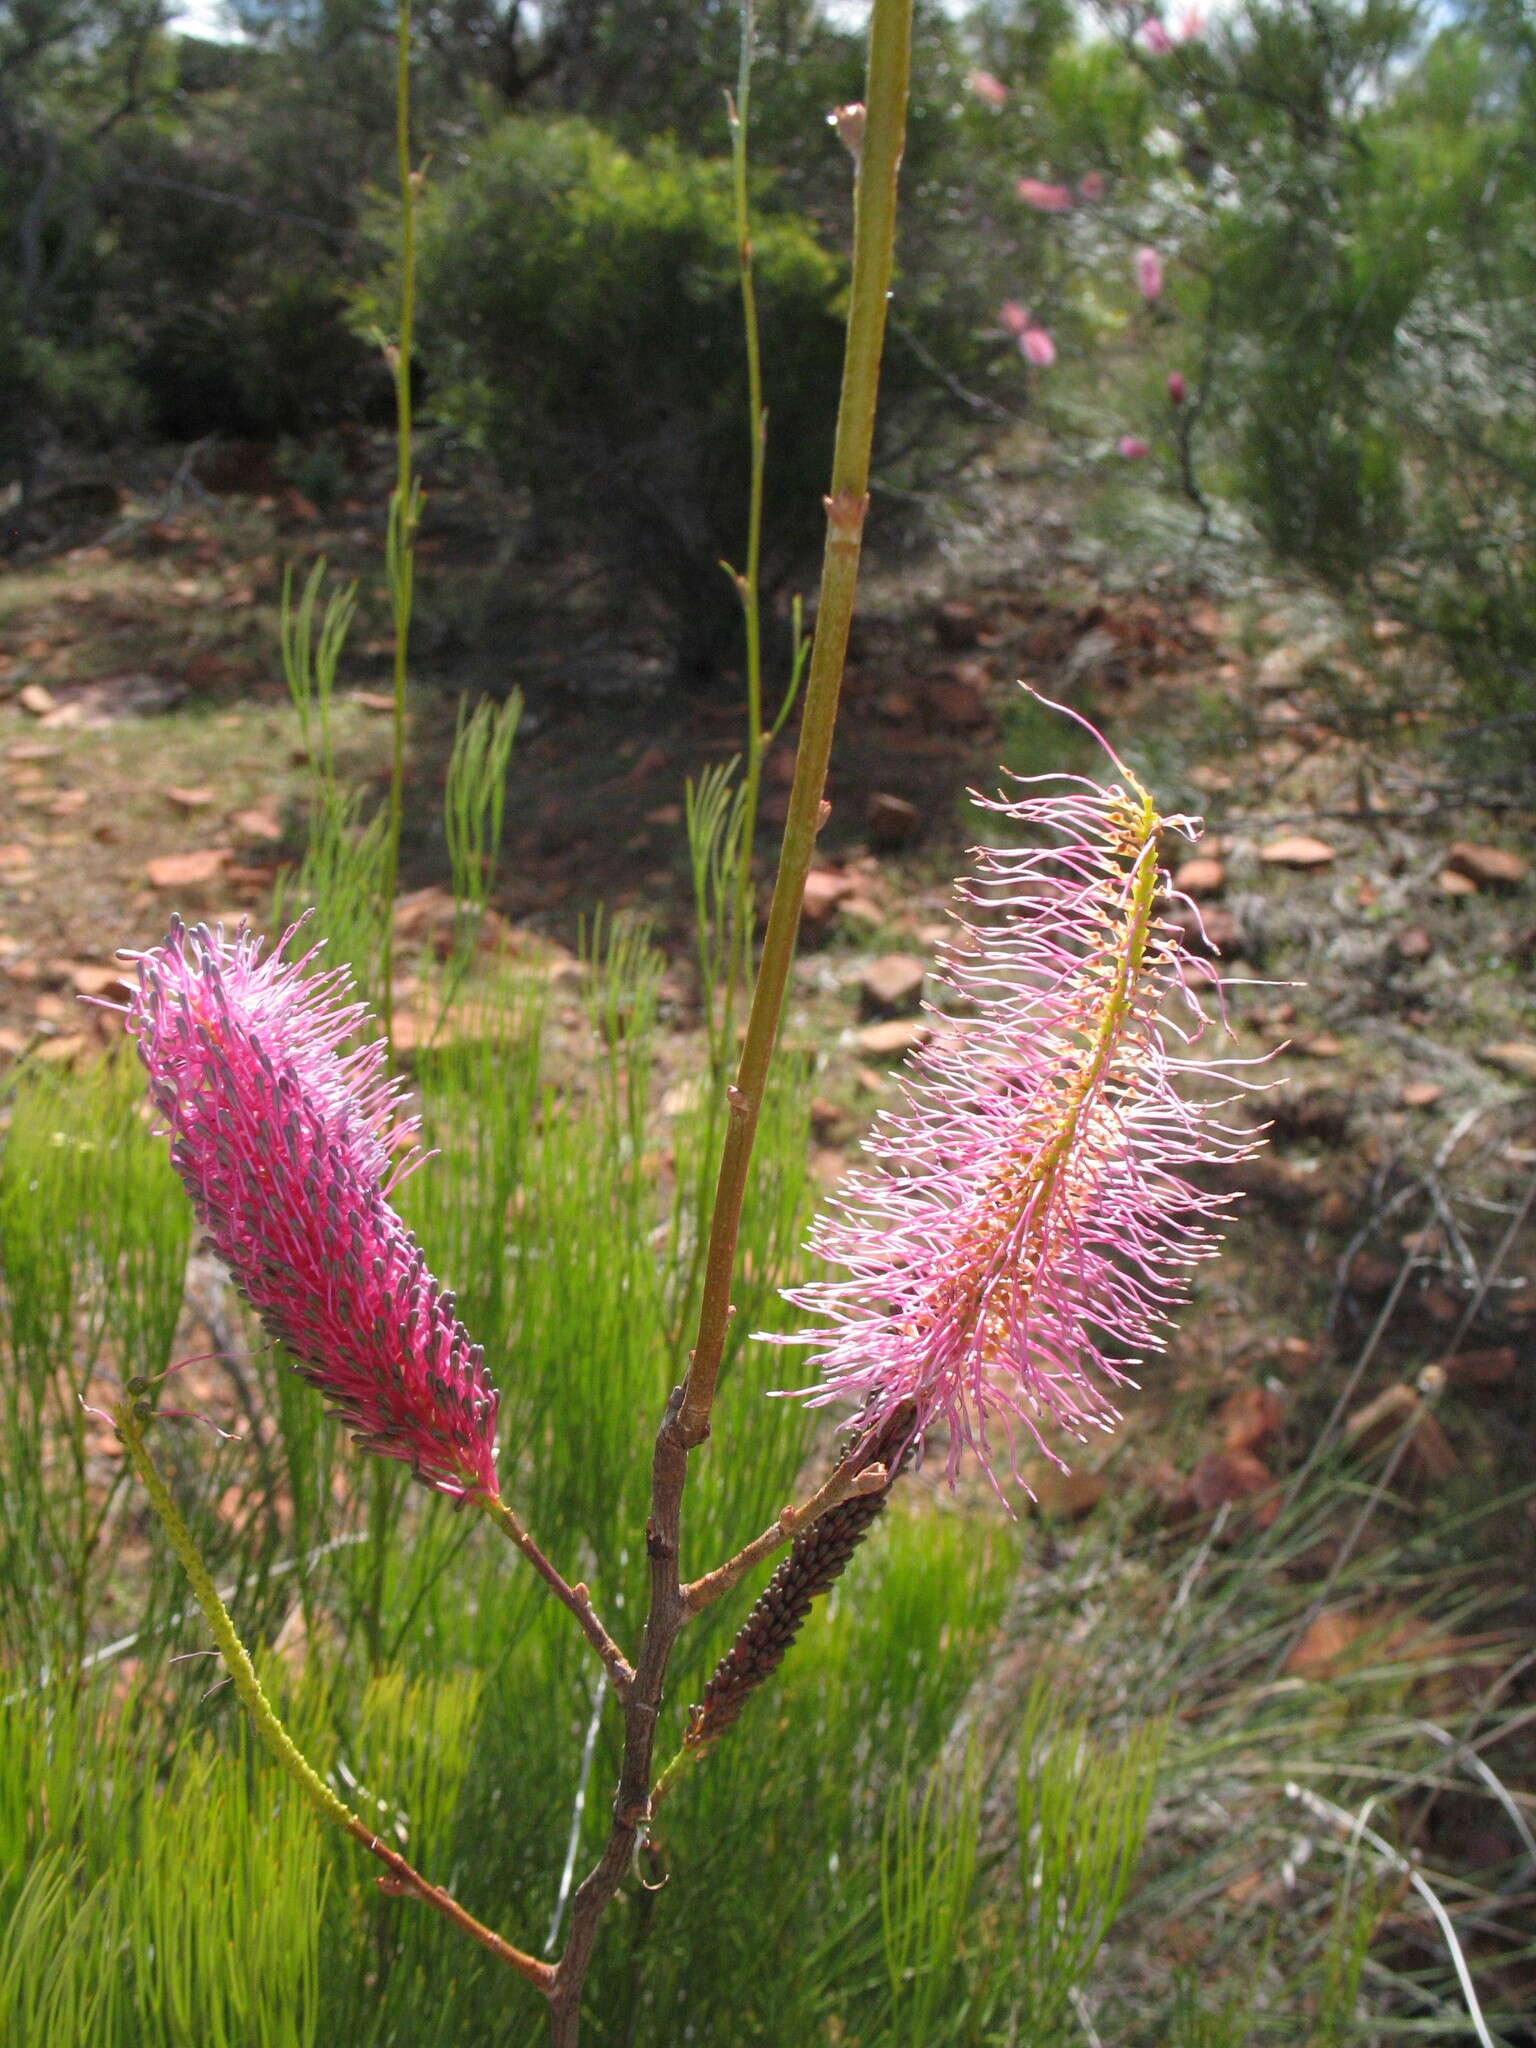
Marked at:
<point>283,1142</point>
<point>1154,38</point>
<point>1149,275</point>
<point>1091,186</point>
<point>988,89</point>
<point>1177,389</point>
<point>849,123</point>
<point>1037,347</point>
<point>1014,317</point>
<point>1027,1226</point>
<point>1133,448</point>
<point>1188,23</point>
<point>1045,198</point>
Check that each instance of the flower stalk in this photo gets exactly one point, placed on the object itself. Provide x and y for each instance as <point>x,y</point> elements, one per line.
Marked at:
<point>400,1878</point>
<point>846,505</point>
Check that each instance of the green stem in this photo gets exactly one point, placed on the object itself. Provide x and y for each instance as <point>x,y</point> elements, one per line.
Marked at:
<point>280,1745</point>
<point>873,245</point>
<point>403,505</point>
<point>749,583</point>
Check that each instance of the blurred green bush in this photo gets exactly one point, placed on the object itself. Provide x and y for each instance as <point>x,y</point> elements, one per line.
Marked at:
<point>581,315</point>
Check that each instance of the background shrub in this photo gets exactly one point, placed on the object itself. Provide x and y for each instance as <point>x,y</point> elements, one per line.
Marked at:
<point>582,313</point>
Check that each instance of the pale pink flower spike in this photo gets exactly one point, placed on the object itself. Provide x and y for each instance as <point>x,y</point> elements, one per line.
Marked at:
<point>1149,275</point>
<point>283,1143</point>
<point>988,88</point>
<point>1044,197</point>
<point>1026,1230</point>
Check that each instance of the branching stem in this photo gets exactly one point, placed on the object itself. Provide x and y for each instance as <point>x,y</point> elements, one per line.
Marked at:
<point>847,1482</point>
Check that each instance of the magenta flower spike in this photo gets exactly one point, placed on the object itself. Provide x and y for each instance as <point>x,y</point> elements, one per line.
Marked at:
<point>1178,390</point>
<point>1017,1248</point>
<point>1014,318</point>
<point>284,1144</point>
<point>989,89</point>
<point>1133,447</point>
<point>1154,38</point>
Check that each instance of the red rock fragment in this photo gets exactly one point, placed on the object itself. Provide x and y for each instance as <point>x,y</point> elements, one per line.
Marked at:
<point>891,821</point>
<point>1488,867</point>
<point>1249,1418</point>
<point>1493,1367</point>
<point>1396,1414</point>
<point>1297,850</point>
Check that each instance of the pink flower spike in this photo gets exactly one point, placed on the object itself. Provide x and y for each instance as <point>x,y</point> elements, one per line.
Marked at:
<point>1014,317</point>
<point>1037,347</point>
<point>991,91</point>
<point>1188,24</point>
<point>1149,275</point>
<point>1028,1226</point>
<point>1045,198</point>
<point>1133,448</point>
<point>1154,38</point>
<point>1091,187</point>
<point>1178,391</point>
<point>282,1141</point>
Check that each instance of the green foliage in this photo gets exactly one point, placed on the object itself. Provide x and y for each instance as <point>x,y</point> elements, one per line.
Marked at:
<point>94,1232</point>
<point>1353,204</point>
<point>581,312</point>
<point>1082,1811</point>
<point>927,1873</point>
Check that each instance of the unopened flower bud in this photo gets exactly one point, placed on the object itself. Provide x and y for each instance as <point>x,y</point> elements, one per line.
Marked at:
<point>849,123</point>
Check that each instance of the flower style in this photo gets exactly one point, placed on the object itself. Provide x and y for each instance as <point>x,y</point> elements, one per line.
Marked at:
<point>284,1144</point>
<point>1026,1230</point>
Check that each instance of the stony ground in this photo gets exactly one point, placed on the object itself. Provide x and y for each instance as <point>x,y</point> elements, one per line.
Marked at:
<point>1373,905</point>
